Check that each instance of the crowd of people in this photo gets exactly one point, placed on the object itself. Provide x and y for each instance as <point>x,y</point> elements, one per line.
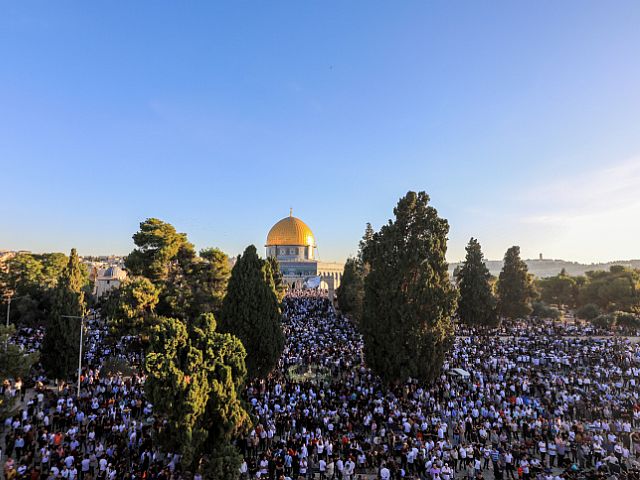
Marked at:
<point>534,402</point>
<point>540,402</point>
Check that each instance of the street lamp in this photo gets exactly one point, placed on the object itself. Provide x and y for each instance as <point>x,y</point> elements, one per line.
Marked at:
<point>80,354</point>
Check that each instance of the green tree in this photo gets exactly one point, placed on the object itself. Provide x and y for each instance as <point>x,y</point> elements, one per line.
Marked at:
<point>279,286</point>
<point>626,320</point>
<point>14,361</point>
<point>196,285</point>
<point>588,311</point>
<point>158,245</point>
<point>409,299</point>
<point>542,310</point>
<point>561,289</point>
<point>350,294</point>
<point>130,309</point>
<point>30,279</point>
<point>617,289</point>
<point>476,305</point>
<point>251,312</point>
<point>60,347</point>
<point>515,288</point>
<point>195,376</point>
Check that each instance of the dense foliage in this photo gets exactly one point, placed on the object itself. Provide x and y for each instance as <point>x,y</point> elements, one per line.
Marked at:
<point>130,309</point>
<point>196,285</point>
<point>158,244</point>
<point>617,289</point>
<point>561,289</point>
<point>409,299</point>
<point>195,378</point>
<point>61,343</point>
<point>251,312</point>
<point>31,279</point>
<point>350,294</point>
<point>514,288</point>
<point>477,304</point>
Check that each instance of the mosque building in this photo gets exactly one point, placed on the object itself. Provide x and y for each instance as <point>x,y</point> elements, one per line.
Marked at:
<point>293,244</point>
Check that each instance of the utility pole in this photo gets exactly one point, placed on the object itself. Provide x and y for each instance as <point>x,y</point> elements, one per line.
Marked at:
<point>80,352</point>
<point>8,309</point>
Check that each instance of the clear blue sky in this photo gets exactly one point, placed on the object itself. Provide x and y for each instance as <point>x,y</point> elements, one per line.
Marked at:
<point>520,119</point>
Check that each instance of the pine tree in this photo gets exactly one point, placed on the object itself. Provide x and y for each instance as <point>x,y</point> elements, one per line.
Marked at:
<point>476,305</point>
<point>60,347</point>
<point>196,285</point>
<point>251,312</point>
<point>195,378</point>
<point>158,245</point>
<point>515,287</point>
<point>409,299</point>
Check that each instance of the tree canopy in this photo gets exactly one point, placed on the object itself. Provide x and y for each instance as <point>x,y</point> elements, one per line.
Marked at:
<point>195,376</point>
<point>61,344</point>
<point>130,308</point>
<point>477,304</point>
<point>409,300</point>
<point>196,285</point>
<point>561,289</point>
<point>31,278</point>
<point>251,312</point>
<point>615,290</point>
<point>158,244</point>
<point>514,288</point>
<point>350,294</point>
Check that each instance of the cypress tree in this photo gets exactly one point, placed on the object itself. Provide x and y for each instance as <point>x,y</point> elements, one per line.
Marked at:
<point>196,376</point>
<point>279,287</point>
<point>409,299</point>
<point>251,312</point>
<point>515,287</point>
<point>476,305</point>
<point>350,294</point>
<point>60,347</point>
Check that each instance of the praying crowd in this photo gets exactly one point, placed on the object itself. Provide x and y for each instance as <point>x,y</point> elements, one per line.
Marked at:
<point>540,402</point>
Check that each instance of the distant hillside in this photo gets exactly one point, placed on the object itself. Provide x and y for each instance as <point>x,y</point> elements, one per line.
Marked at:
<point>549,268</point>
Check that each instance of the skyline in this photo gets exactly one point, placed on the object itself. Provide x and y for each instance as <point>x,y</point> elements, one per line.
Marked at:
<point>521,122</point>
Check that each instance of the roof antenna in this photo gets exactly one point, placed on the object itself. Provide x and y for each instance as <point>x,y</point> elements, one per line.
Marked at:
<point>290,212</point>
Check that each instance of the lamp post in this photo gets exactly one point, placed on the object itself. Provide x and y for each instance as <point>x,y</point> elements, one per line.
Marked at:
<point>80,353</point>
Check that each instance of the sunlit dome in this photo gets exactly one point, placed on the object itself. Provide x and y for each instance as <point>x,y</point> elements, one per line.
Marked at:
<point>290,231</point>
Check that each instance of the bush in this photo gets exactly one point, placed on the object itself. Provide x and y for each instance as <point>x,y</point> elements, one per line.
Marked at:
<point>542,310</point>
<point>626,320</point>
<point>588,312</point>
<point>604,321</point>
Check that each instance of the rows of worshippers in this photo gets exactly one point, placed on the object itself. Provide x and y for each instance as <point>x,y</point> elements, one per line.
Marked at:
<point>104,434</point>
<point>534,403</point>
<point>541,404</point>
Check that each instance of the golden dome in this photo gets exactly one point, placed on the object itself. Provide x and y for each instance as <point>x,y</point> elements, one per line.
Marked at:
<point>290,231</point>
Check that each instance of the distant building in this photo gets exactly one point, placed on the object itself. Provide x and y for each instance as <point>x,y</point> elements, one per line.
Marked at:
<point>293,244</point>
<point>108,279</point>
